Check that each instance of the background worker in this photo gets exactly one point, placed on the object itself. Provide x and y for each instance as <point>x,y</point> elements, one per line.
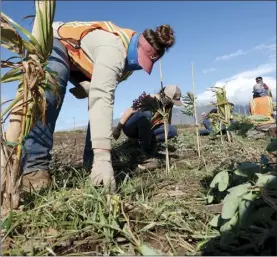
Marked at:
<point>148,126</point>
<point>261,105</point>
<point>260,85</point>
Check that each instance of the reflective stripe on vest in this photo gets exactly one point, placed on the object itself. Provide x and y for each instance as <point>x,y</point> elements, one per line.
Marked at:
<point>253,107</point>
<point>270,107</point>
<point>71,34</point>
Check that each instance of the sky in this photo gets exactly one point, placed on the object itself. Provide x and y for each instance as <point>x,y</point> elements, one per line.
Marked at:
<point>230,44</point>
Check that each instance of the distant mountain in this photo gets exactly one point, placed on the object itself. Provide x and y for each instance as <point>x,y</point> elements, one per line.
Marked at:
<point>178,118</point>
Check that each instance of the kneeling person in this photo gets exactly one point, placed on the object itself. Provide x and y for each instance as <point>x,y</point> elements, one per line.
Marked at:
<point>148,126</point>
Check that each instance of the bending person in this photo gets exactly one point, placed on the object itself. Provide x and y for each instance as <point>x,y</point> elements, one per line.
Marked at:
<point>95,57</point>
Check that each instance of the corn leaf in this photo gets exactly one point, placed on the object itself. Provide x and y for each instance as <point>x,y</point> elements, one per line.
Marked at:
<point>11,105</point>
<point>12,75</point>
<point>32,39</point>
<point>42,29</point>
<point>10,39</point>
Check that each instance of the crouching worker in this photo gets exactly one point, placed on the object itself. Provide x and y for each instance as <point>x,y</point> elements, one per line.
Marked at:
<point>207,122</point>
<point>148,126</point>
<point>261,109</point>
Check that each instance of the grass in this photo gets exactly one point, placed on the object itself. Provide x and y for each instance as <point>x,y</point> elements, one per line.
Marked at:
<point>165,212</point>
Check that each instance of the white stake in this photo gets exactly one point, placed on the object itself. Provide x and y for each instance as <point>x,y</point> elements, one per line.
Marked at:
<point>195,112</point>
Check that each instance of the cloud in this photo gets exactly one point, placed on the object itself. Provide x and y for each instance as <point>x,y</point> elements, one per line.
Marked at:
<point>208,70</point>
<point>264,46</point>
<point>229,56</point>
<point>268,47</point>
<point>239,86</point>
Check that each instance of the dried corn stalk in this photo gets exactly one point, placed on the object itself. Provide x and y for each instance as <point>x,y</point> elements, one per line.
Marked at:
<point>29,104</point>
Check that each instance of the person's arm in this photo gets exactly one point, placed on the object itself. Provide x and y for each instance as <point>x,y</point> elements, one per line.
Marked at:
<point>268,91</point>
<point>108,67</point>
<point>126,115</point>
<point>81,84</point>
<point>123,119</point>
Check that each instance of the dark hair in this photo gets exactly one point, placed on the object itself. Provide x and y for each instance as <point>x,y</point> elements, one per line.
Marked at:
<point>161,39</point>
<point>259,78</point>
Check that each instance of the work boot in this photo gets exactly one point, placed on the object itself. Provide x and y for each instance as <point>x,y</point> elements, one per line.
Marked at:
<point>36,180</point>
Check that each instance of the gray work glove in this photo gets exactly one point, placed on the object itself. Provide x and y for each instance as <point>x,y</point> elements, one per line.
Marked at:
<point>117,131</point>
<point>81,91</point>
<point>102,171</point>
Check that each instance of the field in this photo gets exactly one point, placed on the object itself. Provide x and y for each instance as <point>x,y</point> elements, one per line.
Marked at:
<point>153,212</point>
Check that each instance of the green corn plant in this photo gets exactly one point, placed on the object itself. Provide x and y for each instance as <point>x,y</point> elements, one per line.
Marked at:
<point>29,69</point>
<point>165,116</point>
<point>188,101</point>
<point>224,110</point>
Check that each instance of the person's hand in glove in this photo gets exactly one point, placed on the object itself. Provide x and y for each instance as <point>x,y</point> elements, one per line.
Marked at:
<point>81,91</point>
<point>126,115</point>
<point>117,131</point>
<point>102,170</point>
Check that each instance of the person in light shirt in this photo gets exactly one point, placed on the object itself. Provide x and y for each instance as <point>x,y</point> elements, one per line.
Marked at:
<point>95,57</point>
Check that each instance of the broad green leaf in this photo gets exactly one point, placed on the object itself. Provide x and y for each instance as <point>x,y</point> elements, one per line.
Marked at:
<point>246,210</point>
<point>147,250</point>
<point>229,225</point>
<point>250,196</point>
<point>272,146</point>
<point>265,179</point>
<point>230,207</point>
<point>218,178</point>
<point>215,221</point>
<point>223,184</point>
<point>247,169</point>
<point>210,198</point>
<point>238,190</point>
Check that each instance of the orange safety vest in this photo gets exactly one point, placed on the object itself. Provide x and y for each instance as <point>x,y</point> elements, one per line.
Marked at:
<point>71,34</point>
<point>262,106</point>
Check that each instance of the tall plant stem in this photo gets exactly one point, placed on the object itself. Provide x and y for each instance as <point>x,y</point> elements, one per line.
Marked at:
<point>195,112</point>
<point>165,118</point>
